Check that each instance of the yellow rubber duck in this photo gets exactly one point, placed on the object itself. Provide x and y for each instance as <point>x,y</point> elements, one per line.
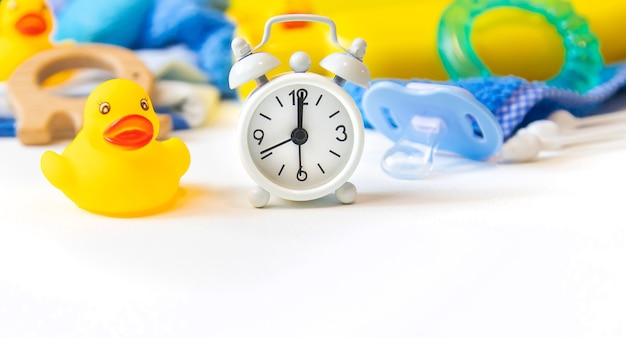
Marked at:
<point>25,27</point>
<point>114,166</point>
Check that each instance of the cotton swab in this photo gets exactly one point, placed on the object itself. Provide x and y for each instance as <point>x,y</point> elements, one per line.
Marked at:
<point>565,119</point>
<point>528,142</point>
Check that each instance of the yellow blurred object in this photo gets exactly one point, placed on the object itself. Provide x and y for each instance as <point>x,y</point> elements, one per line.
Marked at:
<point>25,27</point>
<point>402,37</point>
<point>115,166</point>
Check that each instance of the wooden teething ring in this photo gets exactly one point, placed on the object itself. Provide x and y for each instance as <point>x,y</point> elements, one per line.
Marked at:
<point>40,114</point>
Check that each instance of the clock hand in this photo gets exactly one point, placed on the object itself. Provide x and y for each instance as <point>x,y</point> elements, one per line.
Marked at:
<point>300,110</point>
<point>299,135</point>
<point>276,146</point>
<point>301,96</point>
<point>301,175</point>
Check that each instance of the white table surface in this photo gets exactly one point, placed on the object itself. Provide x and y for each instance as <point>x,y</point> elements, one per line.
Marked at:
<point>474,250</point>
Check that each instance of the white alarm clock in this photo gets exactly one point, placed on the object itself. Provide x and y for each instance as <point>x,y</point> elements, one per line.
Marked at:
<point>300,134</point>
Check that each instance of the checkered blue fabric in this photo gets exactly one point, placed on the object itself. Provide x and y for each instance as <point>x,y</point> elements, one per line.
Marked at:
<point>515,102</point>
<point>533,101</point>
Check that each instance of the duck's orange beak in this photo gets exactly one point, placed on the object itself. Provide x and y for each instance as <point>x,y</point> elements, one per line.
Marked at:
<point>31,24</point>
<point>131,132</point>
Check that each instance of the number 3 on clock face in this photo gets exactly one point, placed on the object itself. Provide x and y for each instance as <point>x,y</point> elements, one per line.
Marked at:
<point>303,136</point>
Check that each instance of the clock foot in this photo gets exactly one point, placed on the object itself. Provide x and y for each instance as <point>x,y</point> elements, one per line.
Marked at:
<point>258,197</point>
<point>346,194</point>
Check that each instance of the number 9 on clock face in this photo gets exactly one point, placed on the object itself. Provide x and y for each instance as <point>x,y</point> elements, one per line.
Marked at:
<point>302,136</point>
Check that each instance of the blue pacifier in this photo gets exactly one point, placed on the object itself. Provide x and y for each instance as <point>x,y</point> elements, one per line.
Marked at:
<point>422,118</point>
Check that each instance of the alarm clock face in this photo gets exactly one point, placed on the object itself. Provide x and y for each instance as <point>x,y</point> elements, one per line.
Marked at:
<point>302,136</point>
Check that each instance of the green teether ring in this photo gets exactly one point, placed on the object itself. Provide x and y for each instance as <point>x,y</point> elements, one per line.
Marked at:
<point>583,60</point>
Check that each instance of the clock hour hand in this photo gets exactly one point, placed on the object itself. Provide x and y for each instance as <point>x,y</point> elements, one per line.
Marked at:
<point>299,135</point>
<point>276,146</point>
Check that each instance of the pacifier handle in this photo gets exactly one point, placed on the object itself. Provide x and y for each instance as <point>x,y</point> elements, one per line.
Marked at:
<point>41,114</point>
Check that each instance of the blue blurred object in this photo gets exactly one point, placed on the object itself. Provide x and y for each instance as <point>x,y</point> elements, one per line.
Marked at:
<point>149,24</point>
<point>116,22</point>
<point>422,118</point>
<point>516,102</point>
<point>7,127</point>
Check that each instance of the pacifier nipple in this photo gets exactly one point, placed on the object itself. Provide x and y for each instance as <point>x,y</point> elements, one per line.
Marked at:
<point>413,158</point>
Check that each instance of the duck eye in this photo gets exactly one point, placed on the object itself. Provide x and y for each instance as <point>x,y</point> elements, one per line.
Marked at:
<point>144,104</point>
<point>105,108</point>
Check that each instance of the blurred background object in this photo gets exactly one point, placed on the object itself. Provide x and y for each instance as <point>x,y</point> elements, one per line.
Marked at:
<point>402,36</point>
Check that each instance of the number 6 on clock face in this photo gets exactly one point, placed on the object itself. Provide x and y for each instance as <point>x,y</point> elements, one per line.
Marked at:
<point>302,136</point>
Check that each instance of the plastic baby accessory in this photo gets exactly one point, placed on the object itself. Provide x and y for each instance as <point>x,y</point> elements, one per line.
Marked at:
<point>115,166</point>
<point>583,60</point>
<point>50,115</point>
<point>25,27</point>
<point>561,130</point>
<point>300,134</point>
<point>422,118</point>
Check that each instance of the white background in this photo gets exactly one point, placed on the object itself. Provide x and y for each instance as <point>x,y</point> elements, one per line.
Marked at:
<point>477,249</point>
